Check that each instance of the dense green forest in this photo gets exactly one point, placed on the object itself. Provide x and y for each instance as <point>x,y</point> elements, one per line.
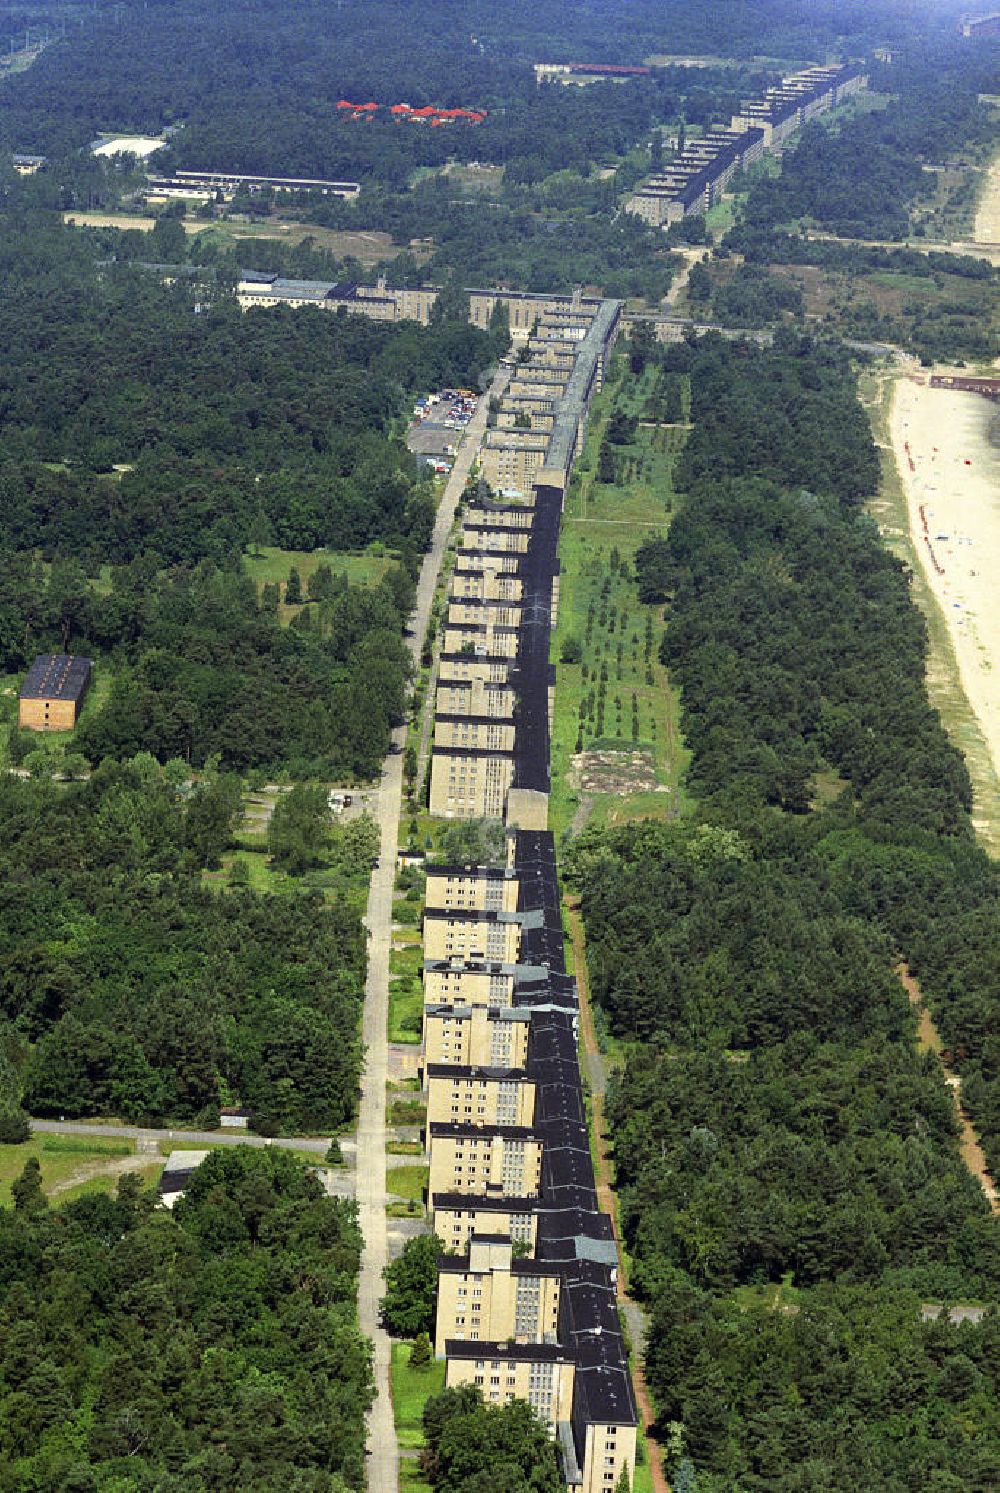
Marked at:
<point>246,87</point>
<point>792,1190</point>
<point>256,86</point>
<point>127,989</point>
<point>216,418</point>
<point>212,1347</point>
<point>200,668</point>
<point>865,178</point>
<point>473,1447</point>
<point>940,306</point>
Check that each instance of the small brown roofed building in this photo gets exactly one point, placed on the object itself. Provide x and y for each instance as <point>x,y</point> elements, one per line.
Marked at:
<point>53,692</point>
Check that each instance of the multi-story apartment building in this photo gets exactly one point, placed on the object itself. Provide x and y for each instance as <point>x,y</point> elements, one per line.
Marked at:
<point>519,414</point>
<point>487,581</point>
<point>526,1301</point>
<point>478,937</point>
<point>479,888</point>
<point>470,783</point>
<point>476,1036</point>
<point>488,1295</point>
<point>455,983</point>
<point>541,1373</point>
<point>503,1160</point>
<point>509,458</point>
<point>484,534</point>
<point>696,179</point>
<point>458,1217</point>
<point>475,698</point>
<point>479,1095</point>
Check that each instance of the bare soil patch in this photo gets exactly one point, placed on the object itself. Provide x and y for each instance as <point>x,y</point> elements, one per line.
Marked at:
<point>115,1166</point>
<point>110,220</point>
<point>615,772</point>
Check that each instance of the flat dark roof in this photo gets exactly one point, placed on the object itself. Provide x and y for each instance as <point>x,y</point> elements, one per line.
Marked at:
<point>528,1352</point>
<point>57,676</point>
<point>482,1132</point>
<point>464,1202</point>
<point>459,1073</point>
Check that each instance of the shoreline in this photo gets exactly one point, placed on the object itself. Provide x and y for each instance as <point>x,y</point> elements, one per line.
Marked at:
<point>986,229</point>
<point>950,475</point>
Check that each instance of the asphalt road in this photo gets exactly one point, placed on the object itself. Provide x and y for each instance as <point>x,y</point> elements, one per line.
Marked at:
<point>338,1181</point>
<point>383,1450</point>
<point>202,1137</point>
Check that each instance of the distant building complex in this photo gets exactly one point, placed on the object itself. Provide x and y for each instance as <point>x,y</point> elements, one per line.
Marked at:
<point>207,184</point>
<point>375,301</point>
<point>695,180</point>
<point>27,165</point>
<point>427,114</point>
<point>53,691</point>
<point>579,73</point>
<point>980,26</point>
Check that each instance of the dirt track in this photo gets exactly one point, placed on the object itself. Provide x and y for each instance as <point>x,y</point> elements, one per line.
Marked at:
<point>929,1039</point>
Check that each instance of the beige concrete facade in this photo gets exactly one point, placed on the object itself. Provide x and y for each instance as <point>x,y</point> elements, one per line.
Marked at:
<point>515,516</point>
<point>546,1383</point>
<point>378,302</point>
<point>475,698</point>
<point>490,1301</point>
<point>467,784</point>
<point>487,584</point>
<point>489,938</point>
<point>495,537</point>
<point>513,416</point>
<point>528,380</point>
<point>476,1036</point>
<point>481,639</point>
<point>471,611</point>
<point>608,1449</point>
<point>471,889</point>
<point>547,352</point>
<point>479,1161</point>
<point>456,983</point>
<point>473,735</point>
<point>509,459</point>
<point>527,809</point>
<point>475,559</point>
<point>524,310</point>
<point>533,398</point>
<point>47,715</point>
<point>468,1096</point>
<point>464,669</point>
<point>455,1225</point>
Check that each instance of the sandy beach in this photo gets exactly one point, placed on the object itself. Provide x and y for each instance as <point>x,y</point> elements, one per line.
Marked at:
<point>951,475</point>
<point>987,229</point>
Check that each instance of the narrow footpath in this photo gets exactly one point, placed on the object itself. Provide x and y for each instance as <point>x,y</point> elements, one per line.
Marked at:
<point>383,1450</point>
<point>595,1072</point>
<point>929,1039</point>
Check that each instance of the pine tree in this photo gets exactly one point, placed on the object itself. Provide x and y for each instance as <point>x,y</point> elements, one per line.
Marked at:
<point>293,588</point>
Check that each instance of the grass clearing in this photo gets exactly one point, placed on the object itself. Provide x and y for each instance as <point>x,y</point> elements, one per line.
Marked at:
<point>406,1007</point>
<point>407,1182</point>
<point>631,756</point>
<point>107,1184</point>
<point>270,566</point>
<point>368,246</point>
<point>411,1389</point>
<point>61,1158</point>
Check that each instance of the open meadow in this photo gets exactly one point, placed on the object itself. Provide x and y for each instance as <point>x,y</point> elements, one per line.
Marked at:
<point>622,759</point>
